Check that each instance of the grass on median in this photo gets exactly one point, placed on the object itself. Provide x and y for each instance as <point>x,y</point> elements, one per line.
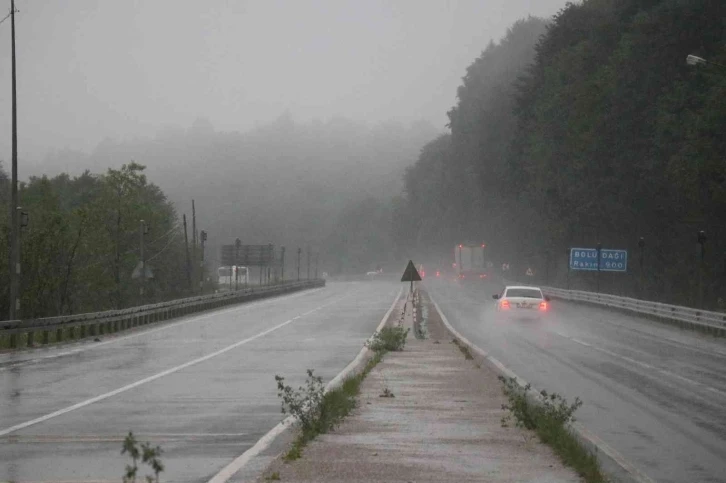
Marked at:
<point>549,420</point>
<point>318,412</point>
<point>464,349</point>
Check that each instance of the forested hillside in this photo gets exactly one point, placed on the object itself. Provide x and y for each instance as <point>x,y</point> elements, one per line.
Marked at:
<point>81,245</point>
<point>596,132</point>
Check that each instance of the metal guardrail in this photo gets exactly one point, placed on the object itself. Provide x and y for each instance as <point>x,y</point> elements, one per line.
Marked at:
<point>98,323</point>
<point>696,318</point>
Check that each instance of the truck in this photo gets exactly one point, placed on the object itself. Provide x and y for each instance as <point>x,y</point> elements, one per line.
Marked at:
<point>470,262</point>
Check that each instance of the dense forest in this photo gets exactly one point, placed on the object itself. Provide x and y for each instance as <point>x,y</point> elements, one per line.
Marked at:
<point>81,246</point>
<point>595,132</point>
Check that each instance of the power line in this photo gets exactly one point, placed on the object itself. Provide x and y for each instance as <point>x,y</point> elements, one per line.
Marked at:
<point>8,15</point>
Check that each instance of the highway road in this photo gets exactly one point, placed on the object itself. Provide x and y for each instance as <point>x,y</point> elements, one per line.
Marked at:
<point>201,387</point>
<point>656,394</point>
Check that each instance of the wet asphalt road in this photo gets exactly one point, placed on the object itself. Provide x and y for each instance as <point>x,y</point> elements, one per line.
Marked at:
<point>656,394</point>
<point>201,387</point>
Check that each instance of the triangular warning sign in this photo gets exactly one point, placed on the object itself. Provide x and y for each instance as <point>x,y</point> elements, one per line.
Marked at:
<point>530,273</point>
<point>410,274</point>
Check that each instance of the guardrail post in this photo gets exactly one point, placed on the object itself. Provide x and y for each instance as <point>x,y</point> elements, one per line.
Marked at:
<point>31,338</point>
<point>45,337</point>
<point>83,331</point>
<point>59,335</point>
<point>13,341</point>
<point>72,332</point>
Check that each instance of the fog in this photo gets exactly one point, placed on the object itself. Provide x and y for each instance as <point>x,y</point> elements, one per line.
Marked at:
<point>95,69</point>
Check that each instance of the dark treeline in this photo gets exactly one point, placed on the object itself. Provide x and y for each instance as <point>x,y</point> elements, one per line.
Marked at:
<point>597,131</point>
<point>82,244</point>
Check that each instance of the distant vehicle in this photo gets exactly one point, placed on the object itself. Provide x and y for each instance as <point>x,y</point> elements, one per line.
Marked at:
<point>226,277</point>
<point>470,262</point>
<point>374,274</point>
<point>522,301</point>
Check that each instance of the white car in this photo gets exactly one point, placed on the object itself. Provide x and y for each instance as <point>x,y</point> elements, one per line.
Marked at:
<point>522,301</point>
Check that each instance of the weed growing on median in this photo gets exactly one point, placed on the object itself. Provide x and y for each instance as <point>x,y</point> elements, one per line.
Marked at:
<point>388,339</point>
<point>316,411</point>
<point>464,349</point>
<point>549,419</point>
<point>147,454</point>
<point>273,477</point>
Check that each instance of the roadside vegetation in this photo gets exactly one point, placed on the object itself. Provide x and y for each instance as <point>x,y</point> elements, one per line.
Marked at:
<point>142,453</point>
<point>318,412</point>
<point>549,419</point>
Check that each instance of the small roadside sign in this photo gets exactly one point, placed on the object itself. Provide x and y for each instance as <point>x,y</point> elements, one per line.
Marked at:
<point>610,260</point>
<point>530,273</point>
<point>410,274</point>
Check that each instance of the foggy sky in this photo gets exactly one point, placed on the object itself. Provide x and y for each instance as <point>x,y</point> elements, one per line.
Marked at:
<point>92,69</point>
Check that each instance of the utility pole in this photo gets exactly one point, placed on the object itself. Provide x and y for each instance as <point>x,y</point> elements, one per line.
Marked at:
<point>202,239</point>
<point>317,259</point>
<point>143,230</point>
<point>194,237</point>
<point>282,264</point>
<point>14,265</point>
<point>299,251</point>
<point>186,249</point>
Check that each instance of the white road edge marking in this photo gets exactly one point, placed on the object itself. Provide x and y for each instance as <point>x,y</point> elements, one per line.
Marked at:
<point>238,463</point>
<point>596,441</point>
<point>159,375</point>
<point>87,345</point>
<point>642,364</point>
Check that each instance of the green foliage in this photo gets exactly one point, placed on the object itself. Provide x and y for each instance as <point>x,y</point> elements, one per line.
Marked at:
<point>388,339</point>
<point>80,249</point>
<point>316,411</point>
<point>464,349</point>
<point>549,419</point>
<point>145,453</point>
<point>597,131</point>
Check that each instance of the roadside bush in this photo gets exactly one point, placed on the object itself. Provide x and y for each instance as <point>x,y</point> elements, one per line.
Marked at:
<point>148,455</point>
<point>391,339</point>
<point>549,419</point>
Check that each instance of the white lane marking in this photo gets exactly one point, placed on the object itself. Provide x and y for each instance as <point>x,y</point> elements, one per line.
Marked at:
<point>238,463</point>
<point>611,452</point>
<point>88,345</point>
<point>644,365</point>
<point>159,375</point>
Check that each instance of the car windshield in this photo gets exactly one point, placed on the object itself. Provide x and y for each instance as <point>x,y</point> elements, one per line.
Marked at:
<point>524,292</point>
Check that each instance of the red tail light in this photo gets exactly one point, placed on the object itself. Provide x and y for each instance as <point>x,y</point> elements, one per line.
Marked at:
<point>505,304</point>
<point>482,276</point>
<point>543,306</point>
<point>438,273</point>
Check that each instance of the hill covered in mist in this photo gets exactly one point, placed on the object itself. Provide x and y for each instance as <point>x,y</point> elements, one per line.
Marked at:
<point>286,182</point>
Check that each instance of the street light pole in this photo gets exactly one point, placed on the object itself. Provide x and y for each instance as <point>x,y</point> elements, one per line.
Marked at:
<point>14,265</point>
<point>299,251</point>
